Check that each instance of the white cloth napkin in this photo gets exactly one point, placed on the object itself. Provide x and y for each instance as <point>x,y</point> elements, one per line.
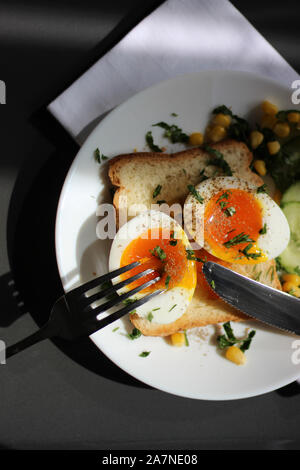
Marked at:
<point>180,36</point>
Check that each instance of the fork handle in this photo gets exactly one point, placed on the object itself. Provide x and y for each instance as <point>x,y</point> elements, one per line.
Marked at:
<point>44,333</point>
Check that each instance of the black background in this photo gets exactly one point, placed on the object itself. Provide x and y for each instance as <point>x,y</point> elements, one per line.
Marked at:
<point>67,396</point>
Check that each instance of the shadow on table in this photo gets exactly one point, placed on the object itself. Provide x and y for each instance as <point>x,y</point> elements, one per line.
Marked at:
<point>35,284</point>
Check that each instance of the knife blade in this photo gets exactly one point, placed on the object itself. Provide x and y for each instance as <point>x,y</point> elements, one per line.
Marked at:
<point>264,303</point>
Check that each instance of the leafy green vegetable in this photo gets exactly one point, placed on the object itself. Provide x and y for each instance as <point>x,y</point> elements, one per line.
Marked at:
<point>173,132</point>
<point>284,167</point>
<point>218,160</point>
<point>239,128</point>
<point>151,144</point>
<point>195,193</point>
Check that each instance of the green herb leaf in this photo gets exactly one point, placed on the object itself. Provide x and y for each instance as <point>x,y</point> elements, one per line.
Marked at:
<point>190,254</point>
<point>99,156</point>
<point>158,252</point>
<point>144,354</point>
<point>167,282</point>
<point>135,334</point>
<point>213,284</point>
<point>172,307</point>
<point>237,240</point>
<point>248,255</point>
<point>195,193</point>
<point>115,329</point>
<point>173,132</point>
<point>151,144</point>
<point>229,331</point>
<point>263,230</point>
<point>218,160</point>
<point>186,338</point>
<point>157,191</point>
<point>246,343</point>
<point>150,316</point>
<point>262,188</point>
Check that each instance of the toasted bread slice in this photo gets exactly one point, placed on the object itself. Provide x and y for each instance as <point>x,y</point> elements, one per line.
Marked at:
<point>137,175</point>
<point>204,311</point>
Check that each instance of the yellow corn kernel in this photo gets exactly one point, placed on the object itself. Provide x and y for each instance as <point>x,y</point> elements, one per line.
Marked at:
<point>217,133</point>
<point>256,139</point>
<point>282,129</point>
<point>294,278</point>
<point>288,286</point>
<point>268,120</point>
<point>234,354</point>
<point>260,167</point>
<point>178,339</point>
<point>269,108</point>
<point>196,138</point>
<point>277,196</point>
<point>293,117</point>
<point>273,147</point>
<point>222,120</point>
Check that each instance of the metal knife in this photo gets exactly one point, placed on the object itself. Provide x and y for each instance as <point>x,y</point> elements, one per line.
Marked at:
<point>264,303</point>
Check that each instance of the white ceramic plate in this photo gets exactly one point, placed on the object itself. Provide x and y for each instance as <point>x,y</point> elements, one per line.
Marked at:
<point>198,371</point>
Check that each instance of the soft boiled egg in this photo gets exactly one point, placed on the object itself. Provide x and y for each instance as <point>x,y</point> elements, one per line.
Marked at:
<point>236,221</point>
<point>160,243</point>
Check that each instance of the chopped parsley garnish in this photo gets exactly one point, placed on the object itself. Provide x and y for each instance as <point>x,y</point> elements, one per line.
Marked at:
<point>263,230</point>
<point>173,242</point>
<point>173,132</point>
<point>213,284</point>
<point>134,334</point>
<point>157,191</point>
<point>218,160</point>
<point>154,309</point>
<point>168,278</point>
<point>190,254</point>
<point>248,255</point>
<point>158,252</point>
<point>229,211</point>
<point>150,316</point>
<point>115,329</point>
<point>262,188</point>
<point>144,354</point>
<point>195,193</point>
<point>99,157</point>
<point>174,114</point>
<point>186,338</point>
<point>172,307</point>
<point>151,144</point>
<point>229,339</point>
<point>224,196</point>
<point>128,302</point>
<point>240,238</point>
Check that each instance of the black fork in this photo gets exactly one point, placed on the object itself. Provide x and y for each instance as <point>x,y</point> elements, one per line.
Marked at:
<point>72,316</point>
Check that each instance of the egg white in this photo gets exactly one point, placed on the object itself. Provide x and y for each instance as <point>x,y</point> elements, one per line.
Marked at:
<point>272,243</point>
<point>162,306</point>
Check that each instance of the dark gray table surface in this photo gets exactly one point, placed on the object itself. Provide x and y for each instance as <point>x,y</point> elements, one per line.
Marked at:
<point>58,396</point>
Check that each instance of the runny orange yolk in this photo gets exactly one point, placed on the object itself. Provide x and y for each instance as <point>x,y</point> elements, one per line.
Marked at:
<point>229,214</point>
<point>173,269</point>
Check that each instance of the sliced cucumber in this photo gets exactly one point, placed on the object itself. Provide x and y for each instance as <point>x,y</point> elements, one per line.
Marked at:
<point>292,194</point>
<point>290,258</point>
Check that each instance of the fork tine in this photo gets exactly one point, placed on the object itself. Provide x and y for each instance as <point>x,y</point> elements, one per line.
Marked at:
<point>116,287</point>
<point>95,325</point>
<point>111,303</point>
<point>101,279</point>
